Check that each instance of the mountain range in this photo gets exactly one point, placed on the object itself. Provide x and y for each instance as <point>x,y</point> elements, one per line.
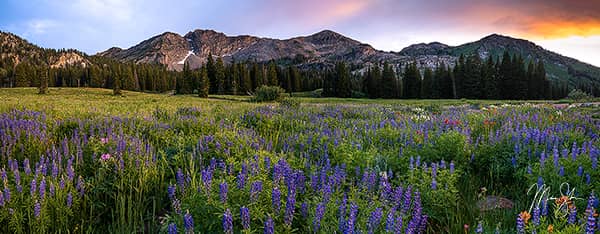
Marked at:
<point>319,50</point>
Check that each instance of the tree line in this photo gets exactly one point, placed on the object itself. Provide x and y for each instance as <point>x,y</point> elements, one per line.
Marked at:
<point>507,77</point>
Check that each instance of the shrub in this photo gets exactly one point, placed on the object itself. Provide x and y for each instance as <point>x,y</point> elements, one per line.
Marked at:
<point>578,95</point>
<point>290,103</point>
<point>268,93</point>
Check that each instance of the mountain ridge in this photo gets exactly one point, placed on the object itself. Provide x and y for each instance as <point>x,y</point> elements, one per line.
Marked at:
<point>319,50</point>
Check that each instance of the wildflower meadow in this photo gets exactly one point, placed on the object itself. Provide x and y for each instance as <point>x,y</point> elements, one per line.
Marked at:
<point>83,161</point>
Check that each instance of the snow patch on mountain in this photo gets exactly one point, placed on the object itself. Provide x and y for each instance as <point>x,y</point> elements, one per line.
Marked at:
<point>188,55</point>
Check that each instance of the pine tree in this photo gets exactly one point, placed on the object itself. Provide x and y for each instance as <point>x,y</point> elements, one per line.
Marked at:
<point>220,76</point>
<point>427,87</point>
<point>204,84</point>
<point>43,73</point>
<point>211,73</point>
<point>471,78</point>
<point>489,76</point>
<point>117,85</point>
<point>412,81</point>
<point>246,81</point>
<point>541,82</point>
<point>343,87</point>
<point>373,81</point>
<point>388,82</point>
<point>505,83</point>
<point>22,75</point>
<point>272,74</point>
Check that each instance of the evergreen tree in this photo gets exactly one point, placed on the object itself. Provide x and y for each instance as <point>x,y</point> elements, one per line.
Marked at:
<point>246,81</point>
<point>506,83</point>
<point>43,88</point>
<point>388,82</point>
<point>211,72</point>
<point>471,78</point>
<point>220,76</point>
<point>117,85</point>
<point>427,87</point>
<point>22,75</point>
<point>204,84</point>
<point>373,81</point>
<point>489,76</point>
<point>412,81</point>
<point>272,74</point>
<point>343,86</point>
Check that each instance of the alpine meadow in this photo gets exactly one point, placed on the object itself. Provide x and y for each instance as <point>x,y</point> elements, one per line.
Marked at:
<point>258,129</point>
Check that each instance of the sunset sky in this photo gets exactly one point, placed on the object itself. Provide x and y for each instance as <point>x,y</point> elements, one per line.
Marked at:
<point>569,27</point>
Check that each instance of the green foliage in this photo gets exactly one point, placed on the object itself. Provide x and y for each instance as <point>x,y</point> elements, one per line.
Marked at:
<point>290,103</point>
<point>268,94</point>
<point>578,95</point>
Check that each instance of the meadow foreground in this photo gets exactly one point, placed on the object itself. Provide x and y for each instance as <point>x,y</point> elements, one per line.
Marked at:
<point>82,160</point>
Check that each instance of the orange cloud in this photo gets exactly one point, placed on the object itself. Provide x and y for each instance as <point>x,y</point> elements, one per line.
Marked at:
<point>563,29</point>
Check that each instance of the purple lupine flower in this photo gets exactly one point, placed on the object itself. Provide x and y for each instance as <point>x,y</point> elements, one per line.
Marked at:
<point>536,216</point>
<point>223,189</point>
<point>342,214</point>
<point>207,175</point>
<point>54,170</point>
<point>398,224</point>
<point>326,192</point>
<point>407,195</point>
<point>61,183</point>
<point>423,223</point>
<point>52,189</point>
<point>37,208</point>
<point>540,181</point>
<point>172,228</point>
<point>590,225</point>
<point>290,207</point>
<point>176,204</point>
<point>171,191</point>
<point>545,207</point>
<point>374,220</point>
<point>276,199</point>
<point>389,222</point>
<point>26,167</point>
<point>227,222</point>
<point>319,212</point>
<point>561,171</point>
<point>255,190</point>
<point>245,214</point>
<point>572,218</point>
<point>80,186</point>
<point>588,179</point>
<point>479,228</point>
<point>520,225</point>
<point>6,194</point>
<point>180,178</point>
<point>451,167</point>
<point>188,223</point>
<point>241,180</point>
<point>433,184</point>
<point>304,209</point>
<point>1,199</point>
<point>69,199</point>
<point>350,226</point>
<point>33,188</point>
<point>269,226</point>
<point>42,188</point>
<point>267,163</point>
<point>580,171</point>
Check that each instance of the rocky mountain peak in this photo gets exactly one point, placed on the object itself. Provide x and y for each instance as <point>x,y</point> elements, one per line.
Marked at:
<point>329,37</point>
<point>433,48</point>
